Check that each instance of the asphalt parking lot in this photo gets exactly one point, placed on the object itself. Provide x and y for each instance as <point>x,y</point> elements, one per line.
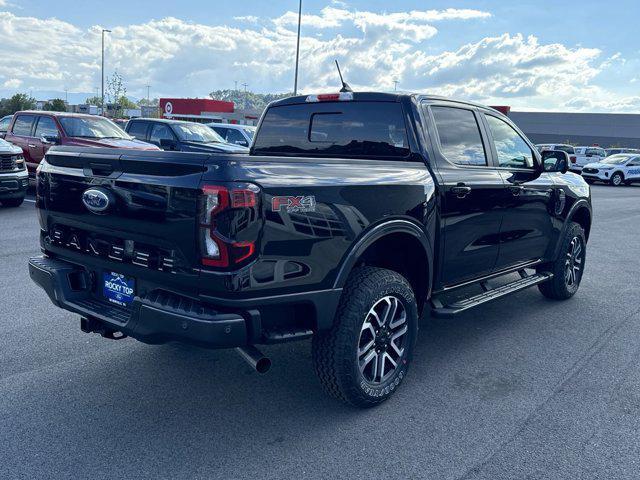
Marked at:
<point>522,388</point>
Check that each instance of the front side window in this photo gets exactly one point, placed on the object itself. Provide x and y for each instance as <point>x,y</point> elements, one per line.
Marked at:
<point>459,134</point>
<point>46,127</point>
<point>160,132</point>
<point>513,151</point>
<point>22,125</point>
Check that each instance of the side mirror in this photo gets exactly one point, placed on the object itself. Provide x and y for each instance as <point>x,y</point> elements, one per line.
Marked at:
<point>50,139</point>
<point>168,144</point>
<point>555,161</point>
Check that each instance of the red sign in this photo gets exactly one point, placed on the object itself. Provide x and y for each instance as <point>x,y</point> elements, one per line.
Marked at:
<point>193,106</point>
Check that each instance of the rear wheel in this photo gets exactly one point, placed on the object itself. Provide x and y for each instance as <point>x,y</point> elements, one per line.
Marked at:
<point>568,268</point>
<point>617,179</point>
<point>364,357</point>
<point>12,202</point>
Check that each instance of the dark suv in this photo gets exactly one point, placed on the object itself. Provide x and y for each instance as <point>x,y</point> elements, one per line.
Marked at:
<point>180,136</point>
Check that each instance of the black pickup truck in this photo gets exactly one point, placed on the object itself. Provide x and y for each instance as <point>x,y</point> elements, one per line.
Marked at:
<point>352,215</point>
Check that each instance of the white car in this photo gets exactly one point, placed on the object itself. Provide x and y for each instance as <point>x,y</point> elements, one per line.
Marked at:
<point>616,169</point>
<point>234,133</point>
<point>585,155</point>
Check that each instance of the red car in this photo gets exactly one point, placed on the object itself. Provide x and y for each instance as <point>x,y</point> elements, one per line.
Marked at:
<point>36,131</point>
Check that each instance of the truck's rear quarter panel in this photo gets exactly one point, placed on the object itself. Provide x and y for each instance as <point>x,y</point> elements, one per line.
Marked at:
<point>303,250</point>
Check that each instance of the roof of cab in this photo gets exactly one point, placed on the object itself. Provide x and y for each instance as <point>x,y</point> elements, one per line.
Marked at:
<point>383,97</point>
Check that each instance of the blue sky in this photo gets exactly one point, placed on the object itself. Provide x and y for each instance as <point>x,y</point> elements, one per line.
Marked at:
<point>532,55</point>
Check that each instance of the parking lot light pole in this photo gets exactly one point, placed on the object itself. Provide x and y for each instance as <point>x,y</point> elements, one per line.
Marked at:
<point>295,83</point>
<point>102,71</point>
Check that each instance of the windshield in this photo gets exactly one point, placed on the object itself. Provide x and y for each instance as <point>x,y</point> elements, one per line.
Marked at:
<point>97,127</point>
<point>196,132</point>
<point>615,159</point>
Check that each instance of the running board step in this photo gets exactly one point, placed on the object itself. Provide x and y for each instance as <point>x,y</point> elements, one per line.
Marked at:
<point>442,310</point>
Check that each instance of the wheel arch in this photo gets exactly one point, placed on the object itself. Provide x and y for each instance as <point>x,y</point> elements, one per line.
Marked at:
<point>581,214</point>
<point>399,245</point>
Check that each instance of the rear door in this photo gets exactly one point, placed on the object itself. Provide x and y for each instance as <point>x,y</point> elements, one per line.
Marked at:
<point>528,197</point>
<point>471,190</point>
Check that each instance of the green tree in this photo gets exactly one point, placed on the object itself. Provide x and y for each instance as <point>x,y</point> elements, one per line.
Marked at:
<point>115,92</point>
<point>255,101</point>
<point>94,101</point>
<point>56,105</point>
<point>20,101</point>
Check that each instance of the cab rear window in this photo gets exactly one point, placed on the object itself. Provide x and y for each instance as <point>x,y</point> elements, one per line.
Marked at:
<point>335,129</point>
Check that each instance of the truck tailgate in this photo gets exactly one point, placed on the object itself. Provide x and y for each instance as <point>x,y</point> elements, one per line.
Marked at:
<point>146,230</point>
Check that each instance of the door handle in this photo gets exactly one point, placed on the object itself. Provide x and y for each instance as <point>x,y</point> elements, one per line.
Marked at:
<point>461,191</point>
<point>31,145</point>
<point>516,190</point>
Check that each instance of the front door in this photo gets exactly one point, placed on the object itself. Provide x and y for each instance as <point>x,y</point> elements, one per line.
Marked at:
<point>529,198</point>
<point>45,135</point>
<point>470,193</point>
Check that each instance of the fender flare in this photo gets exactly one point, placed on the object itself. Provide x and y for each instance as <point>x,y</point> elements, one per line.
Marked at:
<point>376,233</point>
<point>582,203</point>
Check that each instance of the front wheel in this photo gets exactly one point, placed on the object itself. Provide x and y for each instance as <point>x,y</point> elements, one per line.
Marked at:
<point>364,357</point>
<point>569,266</point>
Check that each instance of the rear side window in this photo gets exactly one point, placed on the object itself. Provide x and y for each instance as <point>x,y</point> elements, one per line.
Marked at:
<point>138,130</point>
<point>22,125</point>
<point>459,134</point>
<point>336,129</point>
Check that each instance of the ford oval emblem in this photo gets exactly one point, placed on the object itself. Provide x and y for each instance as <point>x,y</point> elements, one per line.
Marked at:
<point>95,200</point>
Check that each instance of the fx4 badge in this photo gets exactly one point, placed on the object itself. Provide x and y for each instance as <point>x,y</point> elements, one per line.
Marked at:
<point>305,203</point>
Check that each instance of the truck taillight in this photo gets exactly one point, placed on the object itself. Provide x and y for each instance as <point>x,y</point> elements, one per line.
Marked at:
<point>230,224</point>
<point>573,159</point>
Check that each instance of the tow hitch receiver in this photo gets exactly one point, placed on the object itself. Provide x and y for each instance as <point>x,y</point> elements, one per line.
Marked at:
<point>91,325</point>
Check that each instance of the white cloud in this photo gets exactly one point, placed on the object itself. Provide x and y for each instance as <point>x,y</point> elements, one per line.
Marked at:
<point>189,59</point>
<point>12,83</point>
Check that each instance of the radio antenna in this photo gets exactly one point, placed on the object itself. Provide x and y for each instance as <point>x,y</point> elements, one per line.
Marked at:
<point>345,85</point>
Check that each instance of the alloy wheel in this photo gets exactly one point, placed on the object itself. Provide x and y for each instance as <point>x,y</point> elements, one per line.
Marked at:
<point>381,345</point>
<point>574,262</point>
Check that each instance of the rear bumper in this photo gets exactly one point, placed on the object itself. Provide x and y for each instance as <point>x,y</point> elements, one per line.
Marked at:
<point>161,316</point>
<point>158,318</point>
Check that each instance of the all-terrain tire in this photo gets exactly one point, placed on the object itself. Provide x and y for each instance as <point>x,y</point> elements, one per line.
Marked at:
<point>337,352</point>
<point>564,285</point>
